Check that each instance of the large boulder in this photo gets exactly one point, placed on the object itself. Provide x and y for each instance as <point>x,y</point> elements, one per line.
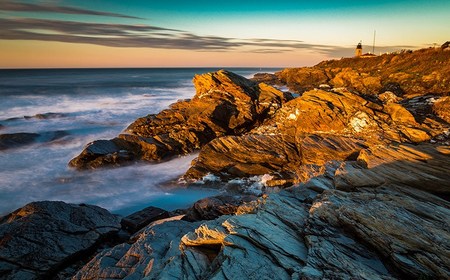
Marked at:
<point>224,104</point>
<point>42,238</point>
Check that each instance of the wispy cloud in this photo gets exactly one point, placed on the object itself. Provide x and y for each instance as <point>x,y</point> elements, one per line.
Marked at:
<point>139,36</point>
<point>12,6</point>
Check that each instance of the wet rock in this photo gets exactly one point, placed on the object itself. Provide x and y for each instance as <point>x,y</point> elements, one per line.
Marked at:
<point>46,116</point>
<point>42,238</point>
<point>134,222</point>
<point>15,140</point>
<point>114,152</point>
<point>8,141</point>
<point>224,104</point>
<point>213,207</point>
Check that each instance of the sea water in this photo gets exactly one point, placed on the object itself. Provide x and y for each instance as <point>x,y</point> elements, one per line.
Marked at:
<point>85,105</point>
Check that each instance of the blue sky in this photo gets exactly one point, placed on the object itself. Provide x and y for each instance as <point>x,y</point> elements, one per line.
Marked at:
<point>215,33</point>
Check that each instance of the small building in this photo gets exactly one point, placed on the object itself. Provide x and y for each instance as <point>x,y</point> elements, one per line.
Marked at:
<point>358,51</point>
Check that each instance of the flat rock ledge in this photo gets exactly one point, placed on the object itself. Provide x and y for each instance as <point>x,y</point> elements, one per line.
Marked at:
<point>41,239</point>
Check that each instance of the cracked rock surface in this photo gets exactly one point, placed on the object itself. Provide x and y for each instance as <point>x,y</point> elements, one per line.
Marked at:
<point>41,238</point>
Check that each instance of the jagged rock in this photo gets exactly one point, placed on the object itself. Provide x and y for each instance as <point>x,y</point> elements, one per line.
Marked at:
<point>445,46</point>
<point>267,78</point>
<point>296,234</point>
<point>240,156</point>
<point>389,97</point>
<point>252,154</point>
<point>302,79</point>
<point>406,228</point>
<point>150,251</point>
<point>361,82</point>
<point>341,112</point>
<point>314,128</point>
<point>134,222</point>
<point>115,152</point>
<point>213,207</point>
<point>225,104</point>
<point>424,166</point>
<point>42,238</point>
<point>419,72</point>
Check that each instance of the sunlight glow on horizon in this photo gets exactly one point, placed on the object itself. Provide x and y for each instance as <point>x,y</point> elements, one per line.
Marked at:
<point>282,34</point>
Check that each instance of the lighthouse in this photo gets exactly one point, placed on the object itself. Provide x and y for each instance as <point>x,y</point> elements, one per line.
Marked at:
<point>358,50</point>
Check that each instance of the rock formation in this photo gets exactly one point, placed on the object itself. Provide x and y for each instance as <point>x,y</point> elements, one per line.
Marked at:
<point>225,104</point>
<point>40,239</point>
<point>14,140</point>
<point>419,72</point>
<point>366,192</point>
<point>362,166</point>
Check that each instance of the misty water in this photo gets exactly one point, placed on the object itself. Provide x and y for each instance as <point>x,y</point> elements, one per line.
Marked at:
<point>86,105</point>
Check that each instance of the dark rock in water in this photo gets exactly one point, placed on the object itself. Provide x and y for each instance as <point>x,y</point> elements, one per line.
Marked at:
<point>140,219</point>
<point>42,238</point>
<point>2,126</point>
<point>114,152</point>
<point>47,116</point>
<point>213,207</point>
<point>14,140</point>
<point>225,104</point>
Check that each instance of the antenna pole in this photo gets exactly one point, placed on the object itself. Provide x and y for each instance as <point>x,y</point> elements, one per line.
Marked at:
<point>373,47</point>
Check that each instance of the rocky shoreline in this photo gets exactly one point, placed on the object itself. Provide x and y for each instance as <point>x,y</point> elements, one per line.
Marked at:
<point>353,182</point>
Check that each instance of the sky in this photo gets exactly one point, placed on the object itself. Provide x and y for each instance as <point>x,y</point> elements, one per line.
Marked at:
<point>203,33</point>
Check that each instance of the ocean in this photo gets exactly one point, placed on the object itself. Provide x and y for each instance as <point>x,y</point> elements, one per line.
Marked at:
<point>72,107</point>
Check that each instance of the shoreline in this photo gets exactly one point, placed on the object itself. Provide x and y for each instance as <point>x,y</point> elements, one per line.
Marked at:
<point>353,177</point>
